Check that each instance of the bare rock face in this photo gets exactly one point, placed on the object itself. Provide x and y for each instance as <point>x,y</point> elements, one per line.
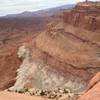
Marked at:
<point>8,66</point>
<point>94,81</point>
<point>24,69</point>
<point>86,15</point>
<point>68,54</point>
<point>93,90</point>
<point>38,74</point>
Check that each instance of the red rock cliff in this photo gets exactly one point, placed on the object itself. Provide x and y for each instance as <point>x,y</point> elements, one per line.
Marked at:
<point>85,15</point>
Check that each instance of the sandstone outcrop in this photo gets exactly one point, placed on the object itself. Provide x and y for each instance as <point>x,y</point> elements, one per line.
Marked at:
<point>10,63</point>
<point>93,90</point>
<point>39,74</point>
<point>85,15</point>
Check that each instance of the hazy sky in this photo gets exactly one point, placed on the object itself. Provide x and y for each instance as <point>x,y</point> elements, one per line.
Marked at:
<point>17,6</point>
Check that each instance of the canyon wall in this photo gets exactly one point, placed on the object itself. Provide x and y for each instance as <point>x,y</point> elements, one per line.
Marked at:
<point>83,15</point>
<point>68,50</point>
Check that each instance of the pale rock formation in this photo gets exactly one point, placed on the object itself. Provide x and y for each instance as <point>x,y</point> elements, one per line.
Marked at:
<point>35,73</point>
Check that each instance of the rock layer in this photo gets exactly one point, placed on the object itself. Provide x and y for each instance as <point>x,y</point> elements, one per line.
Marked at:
<point>93,90</point>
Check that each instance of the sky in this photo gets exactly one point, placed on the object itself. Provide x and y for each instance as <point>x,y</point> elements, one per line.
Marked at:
<point>18,6</point>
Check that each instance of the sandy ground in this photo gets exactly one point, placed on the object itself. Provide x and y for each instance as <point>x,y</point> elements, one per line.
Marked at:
<point>15,96</point>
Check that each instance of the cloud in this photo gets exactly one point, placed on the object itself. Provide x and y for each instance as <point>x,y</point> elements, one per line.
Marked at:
<point>17,6</point>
